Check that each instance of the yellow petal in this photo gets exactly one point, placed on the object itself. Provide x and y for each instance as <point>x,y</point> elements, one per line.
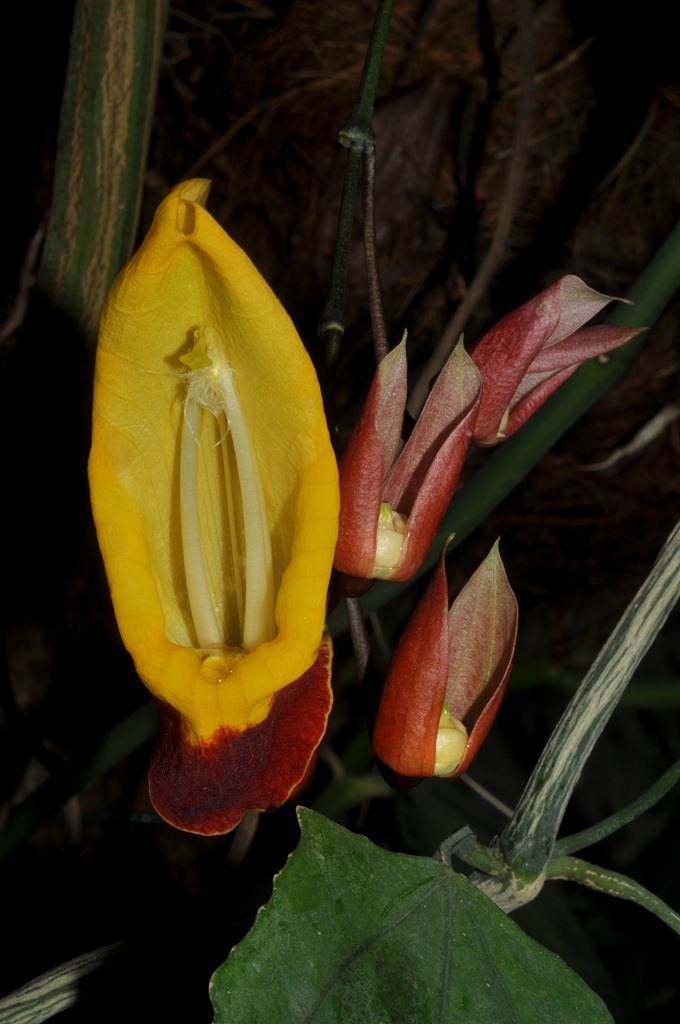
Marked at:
<point>187,276</point>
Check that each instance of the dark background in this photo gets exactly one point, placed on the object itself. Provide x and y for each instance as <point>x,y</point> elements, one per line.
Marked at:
<point>252,95</point>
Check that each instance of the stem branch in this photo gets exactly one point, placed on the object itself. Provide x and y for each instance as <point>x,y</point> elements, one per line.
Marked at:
<point>573,869</point>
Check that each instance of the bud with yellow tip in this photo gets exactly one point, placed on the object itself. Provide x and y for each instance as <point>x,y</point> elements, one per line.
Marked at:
<point>392,501</point>
<point>447,675</point>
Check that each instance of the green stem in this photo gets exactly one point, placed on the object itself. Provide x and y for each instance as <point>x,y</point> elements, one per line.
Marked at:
<point>359,634</point>
<point>362,115</point>
<point>56,991</point>
<point>614,822</point>
<point>332,325</point>
<point>463,846</point>
<point>528,841</point>
<point>106,115</point>
<point>356,136</point>
<point>572,869</point>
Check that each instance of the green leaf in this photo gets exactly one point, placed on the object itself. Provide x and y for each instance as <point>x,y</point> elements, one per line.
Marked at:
<point>353,933</point>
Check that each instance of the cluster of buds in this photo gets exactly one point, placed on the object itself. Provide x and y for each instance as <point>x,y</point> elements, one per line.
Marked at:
<point>449,670</point>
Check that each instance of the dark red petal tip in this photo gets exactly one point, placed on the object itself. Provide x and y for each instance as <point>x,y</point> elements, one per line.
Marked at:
<point>207,788</point>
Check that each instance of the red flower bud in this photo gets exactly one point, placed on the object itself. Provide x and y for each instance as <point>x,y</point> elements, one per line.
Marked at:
<point>534,349</point>
<point>391,505</point>
<point>448,674</point>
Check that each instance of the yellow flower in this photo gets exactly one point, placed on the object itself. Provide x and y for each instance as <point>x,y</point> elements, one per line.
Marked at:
<point>215,496</point>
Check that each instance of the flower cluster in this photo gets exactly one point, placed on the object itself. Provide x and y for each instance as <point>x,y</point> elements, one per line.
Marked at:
<point>449,670</point>
<point>218,503</point>
<point>392,501</point>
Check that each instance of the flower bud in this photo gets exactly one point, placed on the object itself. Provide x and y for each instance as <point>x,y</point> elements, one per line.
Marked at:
<point>391,501</point>
<point>528,354</point>
<point>447,675</point>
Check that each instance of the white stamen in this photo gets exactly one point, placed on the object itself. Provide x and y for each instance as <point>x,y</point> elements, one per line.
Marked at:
<point>208,632</point>
<point>258,619</point>
<point>210,387</point>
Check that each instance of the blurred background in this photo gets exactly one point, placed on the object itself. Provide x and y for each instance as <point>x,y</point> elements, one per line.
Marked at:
<point>252,95</point>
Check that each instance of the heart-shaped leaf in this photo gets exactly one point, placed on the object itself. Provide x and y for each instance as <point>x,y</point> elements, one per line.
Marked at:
<point>356,935</point>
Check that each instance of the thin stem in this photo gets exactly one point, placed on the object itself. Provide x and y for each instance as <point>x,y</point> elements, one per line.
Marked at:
<point>332,325</point>
<point>359,634</point>
<point>463,846</point>
<point>580,840</point>
<point>573,869</point>
<point>487,795</point>
<point>380,342</point>
<point>362,114</point>
<point>356,136</point>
